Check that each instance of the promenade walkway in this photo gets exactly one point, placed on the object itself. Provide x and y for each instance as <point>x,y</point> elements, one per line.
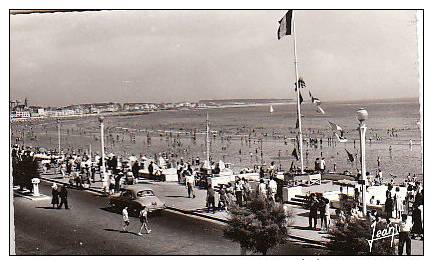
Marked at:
<point>176,198</point>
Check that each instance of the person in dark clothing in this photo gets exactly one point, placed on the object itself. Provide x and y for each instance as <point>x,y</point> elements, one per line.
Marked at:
<point>117,182</point>
<point>417,228</point>
<point>210,198</point>
<point>63,197</point>
<point>312,217</point>
<point>389,203</point>
<point>135,169</point>
<point>150,168</point>
<point>55,194</point>
<point>321,208</point>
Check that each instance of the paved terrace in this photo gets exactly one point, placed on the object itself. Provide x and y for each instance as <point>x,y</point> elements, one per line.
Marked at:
<point>176,198</point>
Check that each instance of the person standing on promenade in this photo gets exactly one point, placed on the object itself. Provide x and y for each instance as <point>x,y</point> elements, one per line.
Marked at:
<point>272,186</point>
<point>322,165</point>
<point>404,235</point>
<point>144,221</point>
<point>398,201</point>
<point>417,228</point>
<point>63,197</point>
<point>55,194</point>
<point>125,219</point>
<point>262,188</point>
<point>322,208</point>
<point>238,192</point>
<point>389,203</point>
<point>312,216</point>
<point>210,198</point>
<point>190,185</point>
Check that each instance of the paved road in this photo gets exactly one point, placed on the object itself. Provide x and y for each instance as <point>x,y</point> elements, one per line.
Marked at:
<point>90,227</point>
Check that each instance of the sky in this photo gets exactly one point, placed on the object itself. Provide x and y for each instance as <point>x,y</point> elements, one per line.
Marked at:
<point>173,56</point>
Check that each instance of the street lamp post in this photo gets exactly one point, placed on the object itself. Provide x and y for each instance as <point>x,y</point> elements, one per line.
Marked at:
<point>101,121</point>
<point>58,132</point>
<point>362,116</point>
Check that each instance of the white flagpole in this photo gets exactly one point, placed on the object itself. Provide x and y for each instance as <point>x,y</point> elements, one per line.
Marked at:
<point>297,95</point>
<point>207,142</point>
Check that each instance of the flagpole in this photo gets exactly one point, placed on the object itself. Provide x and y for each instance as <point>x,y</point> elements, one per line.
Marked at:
<point>300,140</point>
<point>207,143</point>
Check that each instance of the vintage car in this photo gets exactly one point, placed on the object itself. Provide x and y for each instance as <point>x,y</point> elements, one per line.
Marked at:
<point>136,198</point>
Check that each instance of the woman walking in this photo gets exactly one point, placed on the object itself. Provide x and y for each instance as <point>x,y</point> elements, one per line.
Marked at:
<point>55,196</point>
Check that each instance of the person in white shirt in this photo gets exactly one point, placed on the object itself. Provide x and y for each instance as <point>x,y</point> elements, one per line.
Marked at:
<point>125,218</point>
<point>272,188</point>
<point>322,165</point>
<point>404,235</point>
<point>189,179</point>
<point>239,192</point>
<point>262,188</point>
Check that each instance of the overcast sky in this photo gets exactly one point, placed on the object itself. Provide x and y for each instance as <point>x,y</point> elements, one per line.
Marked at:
<point>160,56</point>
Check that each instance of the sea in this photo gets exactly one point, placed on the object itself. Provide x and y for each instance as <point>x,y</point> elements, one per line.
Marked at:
<point>248,136</point>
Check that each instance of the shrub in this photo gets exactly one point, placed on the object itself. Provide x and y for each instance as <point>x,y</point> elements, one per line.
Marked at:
<point>259,226</point>
<point>351,239</point>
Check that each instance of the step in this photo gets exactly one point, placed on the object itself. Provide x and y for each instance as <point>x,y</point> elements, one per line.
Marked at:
<point>301,200</point>
<point>294,203</point>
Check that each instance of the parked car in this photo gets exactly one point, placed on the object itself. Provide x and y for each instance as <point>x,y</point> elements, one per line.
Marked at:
<point>136,197</point>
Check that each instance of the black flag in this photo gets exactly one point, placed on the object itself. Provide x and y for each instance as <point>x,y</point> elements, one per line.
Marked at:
<point>295,154</point>
<point>285,25</point>
<point>351,159</point>
<point>297,123</point>
<point>301,99</point>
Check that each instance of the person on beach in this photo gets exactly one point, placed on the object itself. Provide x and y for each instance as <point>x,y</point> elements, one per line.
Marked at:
<point>144,221</point>
<point>55,196</point>
<point>63,194</point>
<point>125,219</point>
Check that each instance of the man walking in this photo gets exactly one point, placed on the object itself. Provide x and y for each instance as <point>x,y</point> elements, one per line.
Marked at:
<point>63,194</point>
<point>125,219</point>
<point>144,221</point>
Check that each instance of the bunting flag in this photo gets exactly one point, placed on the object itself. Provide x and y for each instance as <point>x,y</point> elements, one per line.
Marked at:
<point>350,156</point>
<point>338,132</point>
<point>320,110</point>
<point>295,154</point>
<point>340,139</point>
<point>301,82</point>
<point>314,100</point>
<point>301,99</point>
<point>285,25</point>
<point>335,127</point>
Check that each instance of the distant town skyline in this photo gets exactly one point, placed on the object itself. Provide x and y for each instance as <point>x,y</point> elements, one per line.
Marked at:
<point>174,56</point>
